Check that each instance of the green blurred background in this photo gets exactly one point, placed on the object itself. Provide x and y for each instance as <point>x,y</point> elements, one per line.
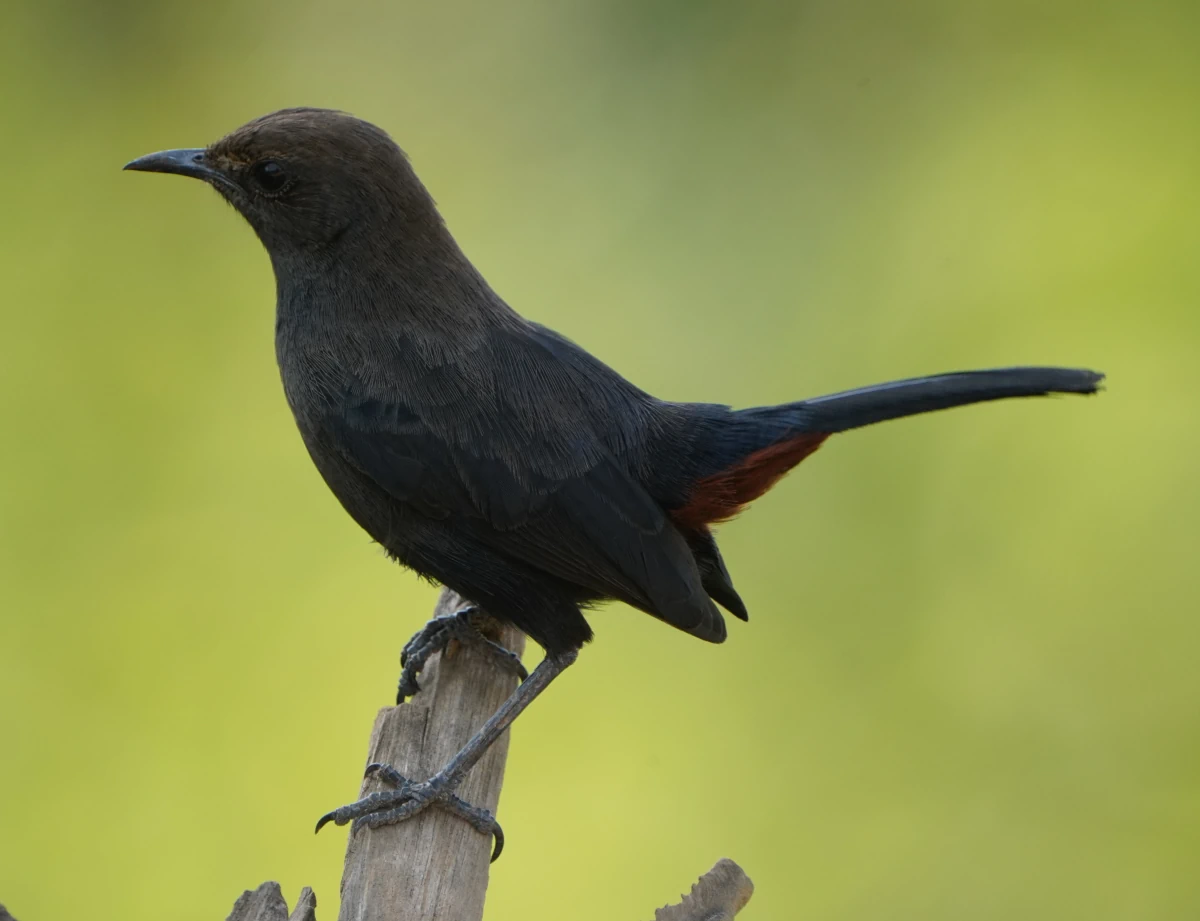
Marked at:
<point>969,688</point>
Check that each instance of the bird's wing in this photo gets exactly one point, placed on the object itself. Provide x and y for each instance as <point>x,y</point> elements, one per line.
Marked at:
<point>505,445</point>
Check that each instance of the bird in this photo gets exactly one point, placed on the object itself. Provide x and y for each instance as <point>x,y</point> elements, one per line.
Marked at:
<point>486,451</point>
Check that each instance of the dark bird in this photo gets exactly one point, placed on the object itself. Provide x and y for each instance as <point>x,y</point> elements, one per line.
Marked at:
<point>486,451</point>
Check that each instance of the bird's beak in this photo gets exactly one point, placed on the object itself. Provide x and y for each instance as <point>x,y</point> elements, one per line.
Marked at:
<point>188,161</point>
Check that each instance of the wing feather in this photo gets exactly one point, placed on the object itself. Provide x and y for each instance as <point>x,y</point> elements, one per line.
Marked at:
<point>522,467</point>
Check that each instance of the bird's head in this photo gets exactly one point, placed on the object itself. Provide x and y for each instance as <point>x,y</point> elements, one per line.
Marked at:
<point>307,179</point>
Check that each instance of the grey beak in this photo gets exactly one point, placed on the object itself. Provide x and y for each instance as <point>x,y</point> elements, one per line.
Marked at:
<point>188,161</point>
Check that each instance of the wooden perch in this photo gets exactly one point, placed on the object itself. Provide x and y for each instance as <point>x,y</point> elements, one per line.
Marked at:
<point>266,904</point>
<point>719,895</point>
<point>434,867</point>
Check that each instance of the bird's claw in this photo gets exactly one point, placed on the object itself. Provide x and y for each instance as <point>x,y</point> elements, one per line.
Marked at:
<point>436,635</point>
<point>407,799</point>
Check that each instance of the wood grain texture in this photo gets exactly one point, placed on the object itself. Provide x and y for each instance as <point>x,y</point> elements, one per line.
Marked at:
<point>718,896</point>
<point>433,867</point>
<point>266,904</point>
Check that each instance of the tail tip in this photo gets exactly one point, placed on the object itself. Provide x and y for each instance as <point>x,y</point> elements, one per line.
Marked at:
<point>1094,381</point>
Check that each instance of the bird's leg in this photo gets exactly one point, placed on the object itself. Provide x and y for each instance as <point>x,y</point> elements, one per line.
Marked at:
<point>408,799</point>
<point>461,625</point>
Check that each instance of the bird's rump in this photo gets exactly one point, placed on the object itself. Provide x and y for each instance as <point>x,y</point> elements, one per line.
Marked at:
<point>720,496</point>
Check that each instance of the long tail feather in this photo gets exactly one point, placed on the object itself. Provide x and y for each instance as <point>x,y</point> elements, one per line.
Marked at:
<point>853,409</point>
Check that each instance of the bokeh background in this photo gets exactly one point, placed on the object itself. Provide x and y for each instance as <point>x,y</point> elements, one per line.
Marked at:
<point>969,688</point>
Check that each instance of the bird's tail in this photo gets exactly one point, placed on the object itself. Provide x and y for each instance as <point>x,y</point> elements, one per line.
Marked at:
<point>748,451</point>
<point>758,446</point>
<point>853,409</point>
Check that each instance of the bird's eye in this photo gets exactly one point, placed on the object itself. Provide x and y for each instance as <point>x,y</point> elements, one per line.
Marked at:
<point>269,176</point>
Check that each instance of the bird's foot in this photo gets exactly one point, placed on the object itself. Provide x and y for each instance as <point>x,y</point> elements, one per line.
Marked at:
<point>407,799</point>
<point>463,626</point>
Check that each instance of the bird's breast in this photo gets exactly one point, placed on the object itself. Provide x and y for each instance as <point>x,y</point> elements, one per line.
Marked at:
<point>311,369</point>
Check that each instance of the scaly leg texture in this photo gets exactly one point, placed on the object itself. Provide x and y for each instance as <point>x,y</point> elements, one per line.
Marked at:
<point>373,810</point>
<point>461,625</point>
<point>409,799</point>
